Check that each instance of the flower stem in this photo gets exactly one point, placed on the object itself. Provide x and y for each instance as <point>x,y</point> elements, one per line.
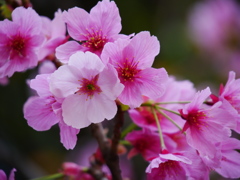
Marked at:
<point>170,119</point>
<point>174,112</point>
<point>174,102</point>
<point>163,147</point>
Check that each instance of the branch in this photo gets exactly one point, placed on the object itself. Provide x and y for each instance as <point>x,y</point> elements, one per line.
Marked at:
<point>108,149</point>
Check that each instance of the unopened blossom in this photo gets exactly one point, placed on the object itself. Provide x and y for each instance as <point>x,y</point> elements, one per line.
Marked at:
<point>205,126</point>
<point>44,111</point>
<point>90,30</point>
<point>168,166</point>
<point>20,40</point>
<point>89,89</point>
<point>54,32</point>
<point>133,60</point>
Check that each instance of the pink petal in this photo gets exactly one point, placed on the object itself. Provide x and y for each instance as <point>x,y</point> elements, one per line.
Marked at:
<point>64,51</point>
<point>146,47</point>
<point>39,114</point>
<point>19,64</point>
<point>153,82</point>
<point>101,107</point>
<point>109,83</point>
<point>88,64</point>
<point>12,175</point>
<point>41,85</point>
<point>75,108</point>
<point>105,16</point>
<point>58,25</point>
<point>68,135</point>
<point>46,67</point>
<point>64,81</point>
<point>114,51</point>
<point>199,98</point>
<point>28,26</point>
<point>8,28</point>
<point>131,95</point>
<point>77,20</point>
<point>176,158</point>
<point>3,175</point>
<point>230,165</point>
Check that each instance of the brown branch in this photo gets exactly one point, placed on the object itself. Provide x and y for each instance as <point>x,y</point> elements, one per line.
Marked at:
<point>108,149</point>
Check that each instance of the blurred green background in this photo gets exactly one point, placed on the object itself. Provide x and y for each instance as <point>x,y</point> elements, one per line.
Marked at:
<point>34,153</point>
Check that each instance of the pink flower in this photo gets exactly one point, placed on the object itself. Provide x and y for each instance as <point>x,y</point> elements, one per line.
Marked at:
<point>229,96</point>
<point>89,88</point>
<point>55,34</point>
<point>230,162</point>
<point>19,41</point>
<point>205,126</point>
<point>168,166</point>
<point>44,111</point>
<point>92,30</point>
<point>133,60</point>
<point>11,176</point>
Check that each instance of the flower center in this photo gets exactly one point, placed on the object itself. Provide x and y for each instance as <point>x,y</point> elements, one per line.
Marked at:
<point>148,116</point>
<point>128,70</point>
<point>194,119</point>
<point>89,87</point>
<point>95,40</point>
<point>18,44</point>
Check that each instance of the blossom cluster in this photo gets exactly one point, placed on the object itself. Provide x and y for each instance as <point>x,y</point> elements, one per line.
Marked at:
<point>184,133</point>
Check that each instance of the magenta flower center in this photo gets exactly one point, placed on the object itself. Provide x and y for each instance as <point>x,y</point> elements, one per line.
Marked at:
<point>195,118</point>
<point>148,116</point>
<point>18,44</point>
<point>128,70</point>
<point>95,39</point>
<point>89,87</point>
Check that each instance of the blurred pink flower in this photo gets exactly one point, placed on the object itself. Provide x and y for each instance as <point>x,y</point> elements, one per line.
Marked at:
<point>19,41</point>
<point>54,32</point>
<point>133,60</point>
<point>214,27</point>
<point>89,87</point>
